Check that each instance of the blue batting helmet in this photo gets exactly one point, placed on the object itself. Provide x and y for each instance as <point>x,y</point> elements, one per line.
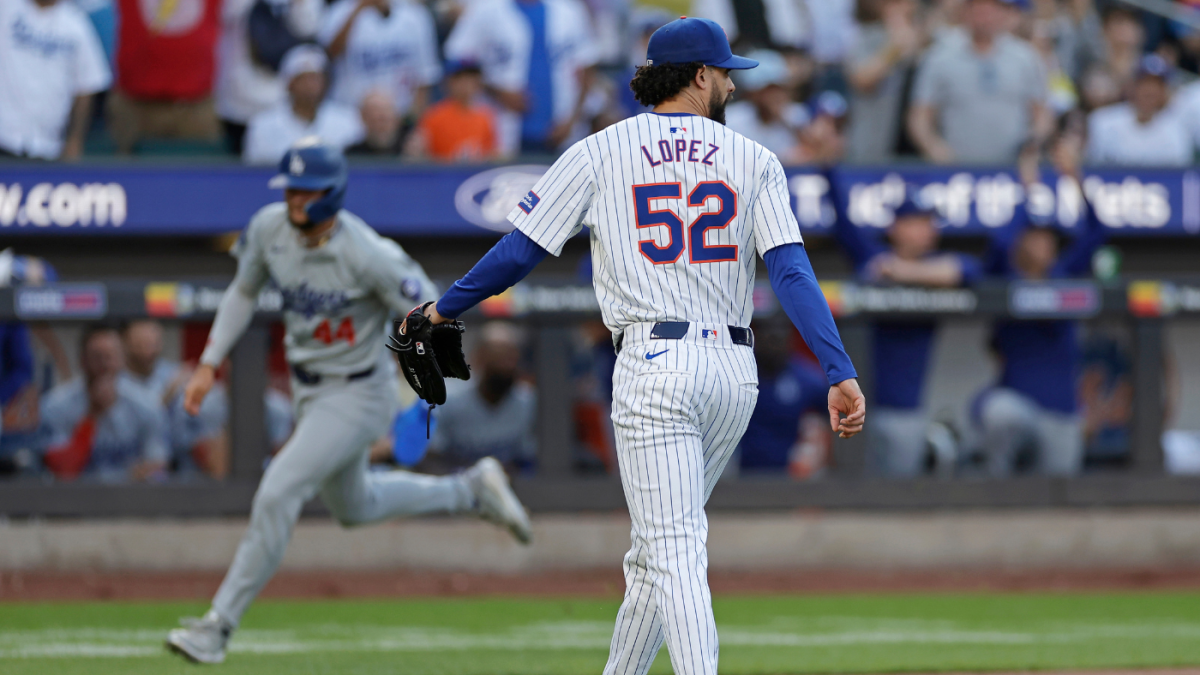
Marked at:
<point>313,165</point>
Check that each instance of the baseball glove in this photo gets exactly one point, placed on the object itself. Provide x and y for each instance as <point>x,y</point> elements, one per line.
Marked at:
<point>428,353</point>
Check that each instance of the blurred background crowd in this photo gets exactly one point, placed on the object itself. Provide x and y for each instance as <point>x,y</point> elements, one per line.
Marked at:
<point>865,81</point>
<point>965,82</point>
<point>103,401</point>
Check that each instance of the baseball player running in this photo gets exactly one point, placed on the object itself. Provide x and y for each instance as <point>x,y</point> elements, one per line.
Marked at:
<point>341,282</point>
<point>677,206</point>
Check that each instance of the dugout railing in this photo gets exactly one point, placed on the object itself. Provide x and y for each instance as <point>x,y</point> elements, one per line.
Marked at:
<point>551,311</point>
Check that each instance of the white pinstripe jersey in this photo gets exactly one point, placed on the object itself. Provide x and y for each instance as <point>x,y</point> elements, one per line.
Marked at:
<point>677,206</point>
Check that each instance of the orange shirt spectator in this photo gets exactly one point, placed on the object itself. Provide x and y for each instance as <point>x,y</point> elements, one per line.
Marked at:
<point>457,129</point>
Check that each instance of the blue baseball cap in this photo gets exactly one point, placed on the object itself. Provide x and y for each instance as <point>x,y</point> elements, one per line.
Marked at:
<point>454,67</point>
<point>688,39</point>
<point>830,103</point>
<point>914,204</point>
<point>1153,65</point>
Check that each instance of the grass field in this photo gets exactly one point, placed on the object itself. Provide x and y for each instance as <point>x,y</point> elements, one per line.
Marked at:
<point>769,635</point>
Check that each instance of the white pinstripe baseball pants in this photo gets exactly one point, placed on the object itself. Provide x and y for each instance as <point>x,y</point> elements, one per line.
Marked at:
<point>679,409</point>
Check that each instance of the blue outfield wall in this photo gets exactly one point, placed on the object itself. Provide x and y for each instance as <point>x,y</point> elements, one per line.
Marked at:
<point>142,199</point>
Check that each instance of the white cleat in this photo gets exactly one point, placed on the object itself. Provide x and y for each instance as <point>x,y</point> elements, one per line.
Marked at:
<point>201,640</point>
<point>495,499</point>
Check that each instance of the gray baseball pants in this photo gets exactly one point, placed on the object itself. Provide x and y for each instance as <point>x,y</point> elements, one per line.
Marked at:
<point>327,454</point>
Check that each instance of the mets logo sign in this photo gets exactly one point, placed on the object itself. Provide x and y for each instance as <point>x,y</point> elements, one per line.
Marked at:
<point>485,199</point>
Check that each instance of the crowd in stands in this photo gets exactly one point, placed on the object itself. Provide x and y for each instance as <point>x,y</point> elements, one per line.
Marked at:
<point>114,413</point>
<point>865,81</point>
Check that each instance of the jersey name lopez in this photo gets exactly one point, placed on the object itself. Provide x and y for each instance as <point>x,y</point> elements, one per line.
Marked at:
<point>682,150</point>
<point>677,207</point>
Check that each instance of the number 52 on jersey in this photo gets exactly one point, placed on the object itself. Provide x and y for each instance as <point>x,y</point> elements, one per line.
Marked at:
<point>721,203</point>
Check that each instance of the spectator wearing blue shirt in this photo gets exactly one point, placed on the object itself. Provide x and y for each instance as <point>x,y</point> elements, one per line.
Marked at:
<point>787,389</point>
<point>1034,405</point>
<point>16,374</point>
<point>18,389</point>
<point>900,349</point>
<point>16,363</point>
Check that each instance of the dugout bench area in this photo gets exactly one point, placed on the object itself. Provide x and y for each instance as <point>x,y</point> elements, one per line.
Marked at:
<point>550,312</point>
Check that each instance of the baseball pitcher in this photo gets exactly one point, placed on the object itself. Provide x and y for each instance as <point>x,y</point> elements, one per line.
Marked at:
<point>677,207</point>
<point>341,283</point>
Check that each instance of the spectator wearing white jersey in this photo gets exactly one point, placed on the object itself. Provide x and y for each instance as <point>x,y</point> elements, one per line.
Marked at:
<point>833,30</point>
<point>537,58</point>
<point>382,44</point>
<point>305,113</point>
<point>246,85</point>
<point>767,114</point>
<point>51,65</point>
<point>1144,131</point>
<point>103,15</point>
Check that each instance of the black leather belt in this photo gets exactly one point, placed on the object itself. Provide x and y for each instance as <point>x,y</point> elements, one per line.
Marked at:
<point>676,330</point>
<point>312,379</point>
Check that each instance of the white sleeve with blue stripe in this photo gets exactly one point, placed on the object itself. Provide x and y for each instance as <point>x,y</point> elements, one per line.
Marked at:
<point>553,211</point>
<point>772,214</point>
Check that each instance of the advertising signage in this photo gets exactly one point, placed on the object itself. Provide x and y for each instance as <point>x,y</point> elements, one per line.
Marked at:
<point>399,200</point>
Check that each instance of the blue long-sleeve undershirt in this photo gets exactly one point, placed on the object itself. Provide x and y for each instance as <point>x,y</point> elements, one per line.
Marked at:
<point>796,286</point>
<point>509,261</point>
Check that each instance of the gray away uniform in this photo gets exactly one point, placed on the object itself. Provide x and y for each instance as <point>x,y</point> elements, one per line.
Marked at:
<point>338,299</point>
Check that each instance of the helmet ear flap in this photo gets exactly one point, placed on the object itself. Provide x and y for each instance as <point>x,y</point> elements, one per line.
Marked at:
<point>328,205</point>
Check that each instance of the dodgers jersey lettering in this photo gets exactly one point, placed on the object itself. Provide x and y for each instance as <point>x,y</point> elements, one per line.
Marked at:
<point>337,298</point>
<point>677,205</point>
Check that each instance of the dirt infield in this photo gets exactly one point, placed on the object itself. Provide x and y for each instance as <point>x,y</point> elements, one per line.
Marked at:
<point>39,585</point>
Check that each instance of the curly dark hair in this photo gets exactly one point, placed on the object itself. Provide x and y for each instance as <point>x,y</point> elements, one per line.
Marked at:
<point>652,85</point>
